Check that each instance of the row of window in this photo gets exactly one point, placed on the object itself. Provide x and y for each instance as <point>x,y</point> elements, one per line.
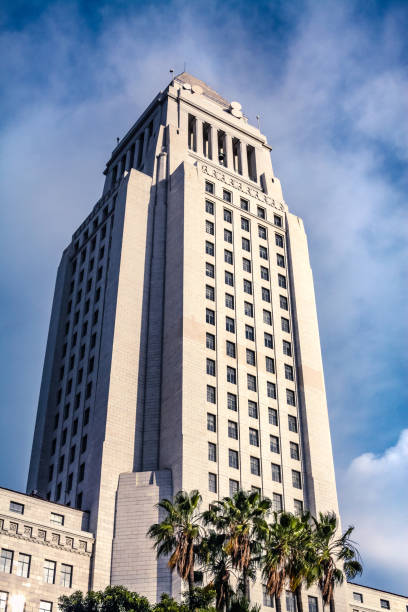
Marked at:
<point>45,606</point>
<point>244,203</point>
<point>253,438</point>
<point>253,412</point>
<point>250,330</point>
<point>23,566</point>
<point>230,351</point>
<point>290,600</point>
<point>234,485</point>
<point>384,603</point>
<point>56,519</point>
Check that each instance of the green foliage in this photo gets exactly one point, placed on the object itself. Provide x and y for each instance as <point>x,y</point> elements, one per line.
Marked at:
<point>112,599</point>
<point>200,598</point>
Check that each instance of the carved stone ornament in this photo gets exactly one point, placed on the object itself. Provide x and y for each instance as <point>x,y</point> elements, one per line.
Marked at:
<point>55,538</point>
<point>247,189</point>
<point>69,542</point>
<point>28,531</point>
<point>82,545</point>
<point>14,527</point>
<point>41,534</point>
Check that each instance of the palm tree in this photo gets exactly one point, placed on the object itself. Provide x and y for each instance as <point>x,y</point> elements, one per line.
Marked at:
<point>217,563</point>
<point>179,533</point>
<point>329,551</point>
<point>240,518</point>
<point>300,558</point>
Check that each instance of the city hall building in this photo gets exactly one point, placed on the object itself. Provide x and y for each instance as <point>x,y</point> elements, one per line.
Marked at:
<point>183,352</point>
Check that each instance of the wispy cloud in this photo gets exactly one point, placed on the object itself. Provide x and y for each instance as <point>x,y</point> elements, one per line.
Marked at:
<point>329,81</point>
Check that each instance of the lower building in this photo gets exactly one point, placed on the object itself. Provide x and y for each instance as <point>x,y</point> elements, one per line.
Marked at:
<point>366,599</point>
<point>46,552</point>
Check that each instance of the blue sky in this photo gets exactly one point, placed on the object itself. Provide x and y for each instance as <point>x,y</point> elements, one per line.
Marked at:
<point>329,80</point>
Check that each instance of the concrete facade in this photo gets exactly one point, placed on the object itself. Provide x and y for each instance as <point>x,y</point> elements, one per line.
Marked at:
<point>46,552</point>
<point>366,599</point>
<point>183,349</point>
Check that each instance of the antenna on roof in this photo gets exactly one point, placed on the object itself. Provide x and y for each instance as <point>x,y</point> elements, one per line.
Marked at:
<point>171,74</point>
<point>259,125</point>
<point>117,139</point>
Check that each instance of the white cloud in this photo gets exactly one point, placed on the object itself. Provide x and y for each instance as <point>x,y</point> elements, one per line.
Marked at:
<point>375,499</point>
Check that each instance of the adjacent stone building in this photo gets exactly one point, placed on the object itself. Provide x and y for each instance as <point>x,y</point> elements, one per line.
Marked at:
<point>183,349</point>
<point>45,552</point>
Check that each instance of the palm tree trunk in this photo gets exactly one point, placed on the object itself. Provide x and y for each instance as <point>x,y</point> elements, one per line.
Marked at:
<point>245,583</point>
<point>190,580</point>
<point>299,602</point>
<point>332,605</point>
<point>278,602</point>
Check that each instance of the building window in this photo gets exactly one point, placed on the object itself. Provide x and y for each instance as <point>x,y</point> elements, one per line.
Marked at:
<point>251,380</point>
<point>290,601</point>
<point>248,286</point>
<point>252,409</point>
<point>211,367</point>
<point>3,601</point>
<point>49,571</point>
<point>23,565</point>
<point>45,606</point>
<point>230,325</point>
<point>16,507</point>
<point>282,281</point>
<point>298,506</point>
<point>294,451</point>
<point>229,279</point>
<point>292,423</point>
<point>287,348</point>
<point>296,479</point>
<point>61,464</point>
<point>273,416</point>
<point>66,575</point>
<point>267,599</point>
<point>209,248</point>
<point>209,292</point>
<point>233,430</point>
<point>209,227</point>
<point>274,443</point>
<point>226,195</point>
<point>290,397</point>
<point>227,215</point>
<point>228,256</point>
<point>244,204</point>
<point>277,505</point>
<point>84,443</point>
<point>263,252</point>
<point>268,340</point>
<point>245,224</point>
<point>276,472</point>
<point>228,236</point>
<point>210,341</point>
<point>233,458</point>
<point>264,273</point>
<point>279,240</point>
<point>246,265</point>
<point>209,187</point>
<point>210,394</point>
<point>209,207</point>
<point>255,466</point>
<point>233,487</point>
<point>277,220</point>
<point>207,144</point>
<point>285,324</point>
<point>230,349</point>
<point>280,260</point>
<point>212,482</point>
<point>246,245</point>
<point>270,365</point>
<point>288,372</point>
<point>384,603</point>
<point>210,316</point>
<point>283,302</point>
<point>231,375</point>
<point>249,332</point>
<point>248,309</point>
<point>211,422</point>
<point>250,357</point>
<point>267,317</point>
<point>209,270</point>
<point>192,133</point>
<point>271,389</point>
<point>57,519</point>
<point>266,296</point>
<point>358,597</point>
<point>232,401</point>
<point>212,452</point>
<point>253,437</point>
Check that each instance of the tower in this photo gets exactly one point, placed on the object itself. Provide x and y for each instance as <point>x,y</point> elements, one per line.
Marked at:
<point>183,348</point>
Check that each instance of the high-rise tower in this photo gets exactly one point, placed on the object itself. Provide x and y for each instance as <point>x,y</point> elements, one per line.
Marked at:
<point>183,349</point>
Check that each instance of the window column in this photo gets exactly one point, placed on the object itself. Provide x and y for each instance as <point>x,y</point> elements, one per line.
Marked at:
<point>199,136</point>
<point>228,146</point>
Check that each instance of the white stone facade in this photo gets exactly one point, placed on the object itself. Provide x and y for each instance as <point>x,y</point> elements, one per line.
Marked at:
<point>183,349</point>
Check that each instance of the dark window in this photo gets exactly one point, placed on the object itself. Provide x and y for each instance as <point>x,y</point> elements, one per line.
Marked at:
<point>209,248</point>
<point>228,256</point>
<point>253,437</point>
<point>245,224</point>
<point>86,417</point>
<point>274,443</point>
<point>248,309</point>
<point>230,349</point>
<point>246,245</point>
<point>285,324</point>
<point>264,273</point>
<point>209,292</point>
<point>81,472</point>
<point>229,279</point>
<point>279,240</point>
<point>233,430</point>
<point>273,416</point>
<point>280,260</point>
<point>252,409</point>
<point>262,232</point>
<point>229,301</point>
<point>226,195</point>
<point>270,365</point>
<point>209,270</point>
<point>271,389</point>
<point>210,316</point>
<point>210,341</point>
<point>277,220</point>
<point>233,459</point>
<point>209,227</point>
<point>232,401</point>
<point>277,504</point>
<point>288,372</point>
<point>249,332</point>
<point>290,397</point>
<point>211,422</point>
<point>292,423</point>
<point>228,236</point>
<point>230,324</point>
<point>296,479</point>
<point>261,212</point>
<point>287,348</point>
<point>267,317</point>
<point>268,340</point>
<point>294,451</point>
<point>231,375</point>
<point>385,604</point>
<point>276,472</point>
<point>247,286</point>
<point>251,381</point>
<point>266,296</point>
<point>263,252</point>
<point>233,487</point>
<point>16,507</point>
<point>250,357</point>
<point>6,561</point>
<point>227,215</point>
<point>210,368</point>
<point>255,466</point>
<point>246,265</point>
<point>210,394</point>
<point>212,452</point>
<point>212,482</point>
<point>209,207</point>
<point>209,187</point>
<point>244,204</point>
